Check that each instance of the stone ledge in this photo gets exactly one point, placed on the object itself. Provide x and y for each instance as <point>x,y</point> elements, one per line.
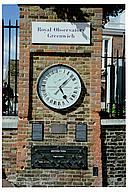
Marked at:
<point>9,122</point>
<point>113,122</point>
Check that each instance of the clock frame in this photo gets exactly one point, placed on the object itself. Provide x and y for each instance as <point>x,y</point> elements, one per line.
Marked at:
<point>59,87</point>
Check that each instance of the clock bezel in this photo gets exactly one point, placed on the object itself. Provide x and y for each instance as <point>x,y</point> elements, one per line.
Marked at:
<point>40,97</point>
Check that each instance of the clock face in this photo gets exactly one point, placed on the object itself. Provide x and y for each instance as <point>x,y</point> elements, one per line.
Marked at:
<point>59,86</point>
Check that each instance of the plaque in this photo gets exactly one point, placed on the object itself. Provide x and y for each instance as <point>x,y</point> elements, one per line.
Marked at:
<point>95,171</point>
<point>37,131</point>
<point>81,132</point>
<point>61,32</point>
<point>58,128</point>
<point>59,157</point>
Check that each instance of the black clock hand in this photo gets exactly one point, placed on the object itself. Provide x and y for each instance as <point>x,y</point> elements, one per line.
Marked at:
<point>61,86</point>
<point>57,91</point>
<point>65,82</point>
<point>61,90</point>
<point>64,96</point>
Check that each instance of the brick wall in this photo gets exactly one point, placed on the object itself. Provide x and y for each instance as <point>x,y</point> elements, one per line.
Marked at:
<point>31,109</point>
<point>114,155</point>
<point>118,44</point>
<point>9,139</point>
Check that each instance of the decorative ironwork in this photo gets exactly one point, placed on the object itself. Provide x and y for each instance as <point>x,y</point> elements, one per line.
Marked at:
<point>59,157</point>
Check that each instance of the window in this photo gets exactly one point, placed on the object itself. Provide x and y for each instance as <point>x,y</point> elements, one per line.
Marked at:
<point>106,50</point>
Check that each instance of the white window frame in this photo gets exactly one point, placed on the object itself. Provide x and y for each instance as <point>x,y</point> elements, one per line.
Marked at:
<point>109,51</point>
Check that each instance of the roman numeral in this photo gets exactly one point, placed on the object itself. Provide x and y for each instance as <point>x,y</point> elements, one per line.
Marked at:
<point>68,72</point>
<point>73,96</point>
<point>74,79</point>
<point>71,76</point>
<point>45,94</point>
<point>51,101</point>
<point>59,103</point>
<point>55,102</point>
<point>75,92</point>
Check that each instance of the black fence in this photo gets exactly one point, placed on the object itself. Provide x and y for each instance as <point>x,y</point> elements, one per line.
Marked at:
<point>113,95</point>
<point>10,68</point>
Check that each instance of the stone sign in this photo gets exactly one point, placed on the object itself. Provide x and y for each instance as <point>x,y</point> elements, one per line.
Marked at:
<point>61,32</point>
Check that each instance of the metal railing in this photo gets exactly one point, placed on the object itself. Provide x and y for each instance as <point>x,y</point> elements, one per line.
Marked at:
<point>10,68</point>
<point>113,86</point>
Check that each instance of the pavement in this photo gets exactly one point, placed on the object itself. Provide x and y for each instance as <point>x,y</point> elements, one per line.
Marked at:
<point>6,183</point>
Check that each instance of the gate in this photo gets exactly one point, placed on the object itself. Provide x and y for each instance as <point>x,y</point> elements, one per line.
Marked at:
<point>113,86</point>
<point>10,63</point>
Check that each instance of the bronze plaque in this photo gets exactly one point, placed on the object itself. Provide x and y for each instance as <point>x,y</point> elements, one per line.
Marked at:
<point>59,128</point>
<point>59,157</point>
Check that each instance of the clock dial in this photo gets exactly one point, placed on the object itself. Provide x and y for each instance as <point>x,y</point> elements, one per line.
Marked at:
<point>59,86</point>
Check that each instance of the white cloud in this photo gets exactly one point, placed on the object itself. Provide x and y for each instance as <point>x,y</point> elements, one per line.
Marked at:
<point>12,48</point>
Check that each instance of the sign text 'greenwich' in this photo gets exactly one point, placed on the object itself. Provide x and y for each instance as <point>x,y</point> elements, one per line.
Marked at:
<point>61,32</point>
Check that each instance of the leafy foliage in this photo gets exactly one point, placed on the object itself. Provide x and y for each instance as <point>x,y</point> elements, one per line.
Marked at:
<point>112,10</point>
<point>74,12</point>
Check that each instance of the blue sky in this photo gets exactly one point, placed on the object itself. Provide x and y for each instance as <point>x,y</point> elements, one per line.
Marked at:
<point>10,12</point>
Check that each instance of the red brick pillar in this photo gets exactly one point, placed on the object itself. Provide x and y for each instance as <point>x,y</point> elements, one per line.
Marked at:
<point>23,104</point>
<point>89,68</point>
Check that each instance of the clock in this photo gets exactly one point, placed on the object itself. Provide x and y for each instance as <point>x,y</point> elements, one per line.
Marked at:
<point>59,87</point>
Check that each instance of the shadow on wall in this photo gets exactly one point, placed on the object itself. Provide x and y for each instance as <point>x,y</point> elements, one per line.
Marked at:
<point>71,14</point>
